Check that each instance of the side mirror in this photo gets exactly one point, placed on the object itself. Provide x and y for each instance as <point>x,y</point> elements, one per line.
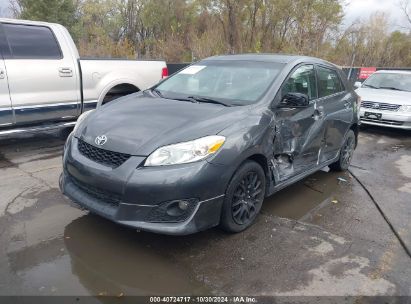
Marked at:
<point>295,100</point>
<point>357,84</point>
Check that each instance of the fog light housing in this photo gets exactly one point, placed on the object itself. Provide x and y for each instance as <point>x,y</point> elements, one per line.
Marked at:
<point>172,211</point>
<point>183,205</point>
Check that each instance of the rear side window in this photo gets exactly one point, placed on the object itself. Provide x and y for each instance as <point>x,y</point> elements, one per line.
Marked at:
<point>329,82</point>
<point>31,42</point>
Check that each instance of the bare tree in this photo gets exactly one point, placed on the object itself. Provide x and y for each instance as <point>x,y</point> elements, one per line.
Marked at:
<point>405,6</point>
<point>15,8</point>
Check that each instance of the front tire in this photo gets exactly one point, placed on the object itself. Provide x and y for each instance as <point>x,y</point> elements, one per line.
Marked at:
<point>244,197</point>
<point>346,153</point>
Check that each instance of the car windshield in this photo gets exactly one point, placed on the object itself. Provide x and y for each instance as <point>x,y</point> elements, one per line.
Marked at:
<point>390,81</point>
<point>225,82</point>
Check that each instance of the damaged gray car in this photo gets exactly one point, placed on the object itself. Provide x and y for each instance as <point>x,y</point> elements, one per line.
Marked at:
<point>207,145</point>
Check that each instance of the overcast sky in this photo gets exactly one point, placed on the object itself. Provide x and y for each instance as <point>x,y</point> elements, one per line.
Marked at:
<point>354,9</point>
<point>3,7</point>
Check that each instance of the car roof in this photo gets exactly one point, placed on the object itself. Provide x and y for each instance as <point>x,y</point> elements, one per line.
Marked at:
<point>278,58</point>
<point>393,72</point>
<point>26,22</point>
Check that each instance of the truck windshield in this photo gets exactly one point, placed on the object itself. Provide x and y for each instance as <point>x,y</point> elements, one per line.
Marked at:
<point>231,82</point>
<point>389,81</point>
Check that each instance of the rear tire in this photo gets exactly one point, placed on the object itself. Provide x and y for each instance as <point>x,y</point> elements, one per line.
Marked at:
<point>346,153</point>
<point>244,197</point>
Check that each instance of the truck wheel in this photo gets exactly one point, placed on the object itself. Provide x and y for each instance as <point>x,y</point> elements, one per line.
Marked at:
<point>346,153</point>
<point>244,197</point>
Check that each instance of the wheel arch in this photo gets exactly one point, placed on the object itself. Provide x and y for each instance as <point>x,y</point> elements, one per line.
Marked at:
<point>125,86</point>
<point>261,160</point>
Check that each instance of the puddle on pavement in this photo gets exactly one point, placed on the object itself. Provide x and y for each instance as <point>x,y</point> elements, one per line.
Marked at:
<point>59,250</point>
<point>298,200</point>
<point>108,259</point>
<point>87,254</point>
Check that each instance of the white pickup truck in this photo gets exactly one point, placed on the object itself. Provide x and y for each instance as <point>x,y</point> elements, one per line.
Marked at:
<point>45,85</point>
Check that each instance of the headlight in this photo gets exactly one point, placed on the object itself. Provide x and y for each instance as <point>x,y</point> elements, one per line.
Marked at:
<point>405,108</point>
<point>186,152</point>
<point>80,119</point>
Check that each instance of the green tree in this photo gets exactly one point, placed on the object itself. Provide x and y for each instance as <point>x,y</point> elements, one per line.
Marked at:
<point>58,11</point>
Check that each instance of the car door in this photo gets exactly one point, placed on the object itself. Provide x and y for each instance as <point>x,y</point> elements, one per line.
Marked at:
<point>43,82</point>
<point>337,106</point>
<point>299,130</point>
<point>6,111</point>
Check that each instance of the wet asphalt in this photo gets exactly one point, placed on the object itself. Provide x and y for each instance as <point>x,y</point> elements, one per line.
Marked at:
<point>329,234</point>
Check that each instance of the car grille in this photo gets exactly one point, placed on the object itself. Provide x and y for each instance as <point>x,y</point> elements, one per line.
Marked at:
<point>105,157</point>
<point>103,196</point>
<point>380,106</point>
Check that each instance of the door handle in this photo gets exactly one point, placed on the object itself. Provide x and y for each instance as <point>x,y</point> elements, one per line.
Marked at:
<point>347,104</point>
<point>65,72</point>
<point>2,74</point>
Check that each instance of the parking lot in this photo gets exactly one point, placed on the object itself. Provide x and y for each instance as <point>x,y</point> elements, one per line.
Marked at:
<point>330,234</point>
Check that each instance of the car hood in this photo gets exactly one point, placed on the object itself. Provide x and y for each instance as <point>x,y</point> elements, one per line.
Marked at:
<point>385,96</point>
<point>138,125</point>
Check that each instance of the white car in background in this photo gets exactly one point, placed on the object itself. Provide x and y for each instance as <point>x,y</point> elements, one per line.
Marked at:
<point>386,99</point>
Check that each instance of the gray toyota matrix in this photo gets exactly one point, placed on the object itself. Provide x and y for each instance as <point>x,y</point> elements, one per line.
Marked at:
<point>207,145</point>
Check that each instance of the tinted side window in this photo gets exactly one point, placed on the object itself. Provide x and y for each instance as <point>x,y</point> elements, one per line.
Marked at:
<point>31,42</point>
<point>4,48</point>
<point>329,82</point>
<point>302,81</point>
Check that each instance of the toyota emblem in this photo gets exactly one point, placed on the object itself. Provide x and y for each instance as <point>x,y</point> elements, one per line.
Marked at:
<point>100,140</point>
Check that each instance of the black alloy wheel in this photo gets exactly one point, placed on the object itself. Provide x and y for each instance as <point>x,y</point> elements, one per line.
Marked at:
<point>244,197</point>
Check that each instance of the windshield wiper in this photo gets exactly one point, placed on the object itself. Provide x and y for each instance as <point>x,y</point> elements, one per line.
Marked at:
<point>194,99</point>
<point>391,88</point>
<point>157,92</point>
<point>208,100</point>
<point>370,86</point>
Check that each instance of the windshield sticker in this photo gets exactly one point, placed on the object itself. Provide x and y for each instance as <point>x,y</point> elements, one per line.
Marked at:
<point>192,70</point>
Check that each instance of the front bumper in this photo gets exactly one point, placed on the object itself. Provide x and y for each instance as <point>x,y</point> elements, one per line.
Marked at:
<point>399,120</point>
<point>131,194</point>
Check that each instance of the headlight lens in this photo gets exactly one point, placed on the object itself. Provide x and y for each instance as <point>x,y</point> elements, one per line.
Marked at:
<point>405,108</point>
<point>186,152</point>
<point>80,119</point>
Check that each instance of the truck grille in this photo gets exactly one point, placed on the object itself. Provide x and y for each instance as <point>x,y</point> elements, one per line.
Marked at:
<point>105,157</point>
<point>380,106</point>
